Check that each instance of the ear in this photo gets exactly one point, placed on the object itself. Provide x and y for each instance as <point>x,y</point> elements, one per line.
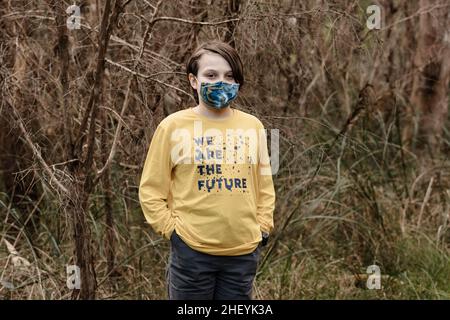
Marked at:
<point>193,81</point>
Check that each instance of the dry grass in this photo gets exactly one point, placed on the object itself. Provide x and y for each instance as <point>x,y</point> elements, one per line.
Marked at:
<point>356,186</point>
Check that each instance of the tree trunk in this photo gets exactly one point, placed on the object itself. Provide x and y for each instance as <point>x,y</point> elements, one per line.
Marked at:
<point>429,93</point>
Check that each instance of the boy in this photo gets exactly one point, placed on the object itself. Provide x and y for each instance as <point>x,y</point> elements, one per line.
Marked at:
<point>207,184</point>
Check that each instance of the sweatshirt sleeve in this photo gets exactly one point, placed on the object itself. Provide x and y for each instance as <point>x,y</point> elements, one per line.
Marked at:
<point>155,183</point>
<point>266,191</point>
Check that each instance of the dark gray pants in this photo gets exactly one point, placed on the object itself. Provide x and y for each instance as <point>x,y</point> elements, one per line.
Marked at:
<point>194,275</point>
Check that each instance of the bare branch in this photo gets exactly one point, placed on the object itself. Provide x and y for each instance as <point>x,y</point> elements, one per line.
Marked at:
<point>149,77</point>
<point>36,151</point>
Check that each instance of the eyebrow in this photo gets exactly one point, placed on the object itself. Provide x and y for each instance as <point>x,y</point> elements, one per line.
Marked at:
<point>212,70</point>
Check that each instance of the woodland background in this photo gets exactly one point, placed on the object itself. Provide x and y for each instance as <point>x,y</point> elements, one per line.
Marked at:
<point>364,141</point>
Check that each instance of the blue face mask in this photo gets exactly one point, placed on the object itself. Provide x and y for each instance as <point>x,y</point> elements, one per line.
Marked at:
<point>218,94</point>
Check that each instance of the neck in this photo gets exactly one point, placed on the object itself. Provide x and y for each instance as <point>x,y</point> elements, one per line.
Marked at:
<point>213,113</point>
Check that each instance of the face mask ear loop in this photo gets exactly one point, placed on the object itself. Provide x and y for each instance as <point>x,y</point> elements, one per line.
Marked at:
<point>198,83</point>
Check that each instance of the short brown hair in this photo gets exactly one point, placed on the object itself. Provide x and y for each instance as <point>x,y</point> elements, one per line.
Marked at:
<point>226,51</point>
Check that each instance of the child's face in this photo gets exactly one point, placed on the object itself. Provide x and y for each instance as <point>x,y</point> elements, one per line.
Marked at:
<point>212,67</point>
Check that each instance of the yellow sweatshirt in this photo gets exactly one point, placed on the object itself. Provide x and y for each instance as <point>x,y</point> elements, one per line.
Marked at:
<point>210,180</point>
